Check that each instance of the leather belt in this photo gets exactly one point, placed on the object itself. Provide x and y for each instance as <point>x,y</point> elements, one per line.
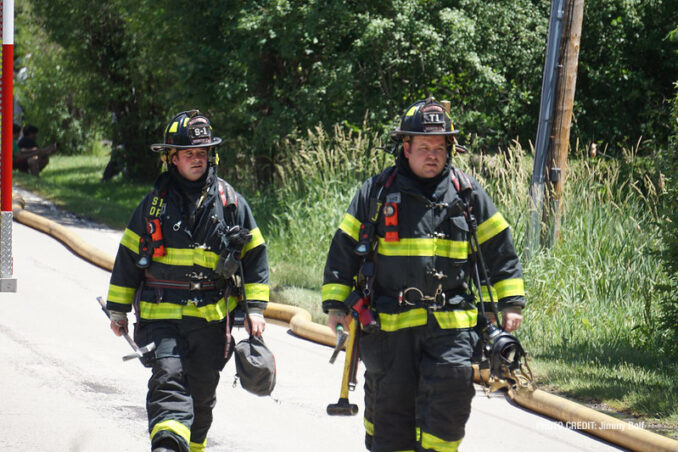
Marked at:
<point>181,285</point>
<point>413,296</point>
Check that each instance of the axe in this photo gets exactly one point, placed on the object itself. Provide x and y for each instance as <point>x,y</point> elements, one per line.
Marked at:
<point>138,351</point>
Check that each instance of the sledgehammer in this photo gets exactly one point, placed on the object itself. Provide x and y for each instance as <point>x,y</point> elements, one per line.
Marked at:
<point>343,407</point>
<point>138,351</point>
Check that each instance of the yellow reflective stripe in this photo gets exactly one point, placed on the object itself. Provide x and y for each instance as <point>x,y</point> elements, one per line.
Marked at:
<point>186,121</point>
<point>407,319</point>
<point>195,447</point>
<point>429,441</point>
<point>257,239</point>
<point>351,226</point>
<point>491,227</point>
<point>510,288</point>
<point>174,127</point>
<point>486,295</point>
<point>188,257</point>
<point>130,240</point>
<point>211,312</point>
<point>451,249</point>
<point>411,111</point>
<point>369,427</point>
<point>173,426</point>
<point>257,292</point>
<point>457,319</point>
<point>120,294</point>
<point>337,292</point>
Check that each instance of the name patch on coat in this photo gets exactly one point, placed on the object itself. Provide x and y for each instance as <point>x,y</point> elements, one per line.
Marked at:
<point>393,197</point>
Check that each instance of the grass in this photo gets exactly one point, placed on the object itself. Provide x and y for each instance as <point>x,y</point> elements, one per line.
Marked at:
<point>74,183</point>
<point>590,323</point>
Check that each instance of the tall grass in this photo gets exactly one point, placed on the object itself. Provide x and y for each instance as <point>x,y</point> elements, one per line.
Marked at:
<point>314,184</point>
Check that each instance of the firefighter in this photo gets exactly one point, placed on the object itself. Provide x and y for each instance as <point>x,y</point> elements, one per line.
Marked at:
<point>403,247</point>
<point>179,265</point>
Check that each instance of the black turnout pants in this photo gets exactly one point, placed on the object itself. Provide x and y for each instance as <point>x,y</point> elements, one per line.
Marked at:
<point>188,357</point>
<point>418,387</point>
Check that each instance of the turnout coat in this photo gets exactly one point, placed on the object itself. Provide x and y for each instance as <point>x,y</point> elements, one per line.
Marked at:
<point>192,251</point>
<point>432,253</point>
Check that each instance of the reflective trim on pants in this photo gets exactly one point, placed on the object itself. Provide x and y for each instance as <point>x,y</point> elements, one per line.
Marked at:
<point>432,442</point>
<point>195,447</point>
<point>172,426</point>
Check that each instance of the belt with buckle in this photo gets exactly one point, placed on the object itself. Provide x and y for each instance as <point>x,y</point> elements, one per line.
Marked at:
<point>413,296</point>
<point>180,285</point>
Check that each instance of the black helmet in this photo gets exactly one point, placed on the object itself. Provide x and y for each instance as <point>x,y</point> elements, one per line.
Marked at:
<point>424,117</point>
<point>188,129</point>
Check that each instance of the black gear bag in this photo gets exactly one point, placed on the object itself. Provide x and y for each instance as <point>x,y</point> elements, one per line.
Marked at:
<point>254,362</point>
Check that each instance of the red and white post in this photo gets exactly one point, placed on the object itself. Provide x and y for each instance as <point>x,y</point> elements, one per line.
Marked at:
<point>7,282</point>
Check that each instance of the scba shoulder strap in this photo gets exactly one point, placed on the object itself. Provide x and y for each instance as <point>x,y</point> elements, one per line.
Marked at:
<point>460,180</point>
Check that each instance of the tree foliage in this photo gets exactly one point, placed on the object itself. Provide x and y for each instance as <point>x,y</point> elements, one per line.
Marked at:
<point>271,69</point>
<point>627,69</point>
<point>115,83</point>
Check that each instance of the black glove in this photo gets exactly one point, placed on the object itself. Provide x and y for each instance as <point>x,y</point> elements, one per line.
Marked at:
<point>228,264</point>
<point>237,238</point>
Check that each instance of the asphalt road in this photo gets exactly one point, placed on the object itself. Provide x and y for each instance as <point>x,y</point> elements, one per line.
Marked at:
<point>64,387</point>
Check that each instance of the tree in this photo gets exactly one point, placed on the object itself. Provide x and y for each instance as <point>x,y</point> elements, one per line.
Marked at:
<point>116,78</point>
<point>627,70</point>
<point>271,69</point>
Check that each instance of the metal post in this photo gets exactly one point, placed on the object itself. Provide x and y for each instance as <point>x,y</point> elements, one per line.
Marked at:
<point>536,205</point>
<point>7,283</point>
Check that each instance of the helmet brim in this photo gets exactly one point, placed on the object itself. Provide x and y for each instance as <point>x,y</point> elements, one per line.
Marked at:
<point>398,133</point>
<point>160,147</point>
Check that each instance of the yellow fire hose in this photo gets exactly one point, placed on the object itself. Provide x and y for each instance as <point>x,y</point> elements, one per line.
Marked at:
<point>571,414</point>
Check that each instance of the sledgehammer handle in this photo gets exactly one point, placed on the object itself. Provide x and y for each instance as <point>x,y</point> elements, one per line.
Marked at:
<point>348,363</point>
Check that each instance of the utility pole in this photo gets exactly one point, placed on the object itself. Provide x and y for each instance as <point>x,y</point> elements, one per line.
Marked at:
<point>555,118</point>
<point>541,146</point>
<point>567,81</point>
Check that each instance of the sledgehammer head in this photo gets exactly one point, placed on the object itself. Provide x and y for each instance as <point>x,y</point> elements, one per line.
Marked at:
<point>139,352</point>
<point>342,408</point>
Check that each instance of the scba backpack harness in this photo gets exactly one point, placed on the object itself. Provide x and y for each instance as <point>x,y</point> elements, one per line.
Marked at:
<point>151,242</point>
<point>359,299</point>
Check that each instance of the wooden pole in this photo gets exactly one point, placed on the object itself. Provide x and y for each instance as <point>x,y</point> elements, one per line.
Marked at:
<point>567,81</point>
